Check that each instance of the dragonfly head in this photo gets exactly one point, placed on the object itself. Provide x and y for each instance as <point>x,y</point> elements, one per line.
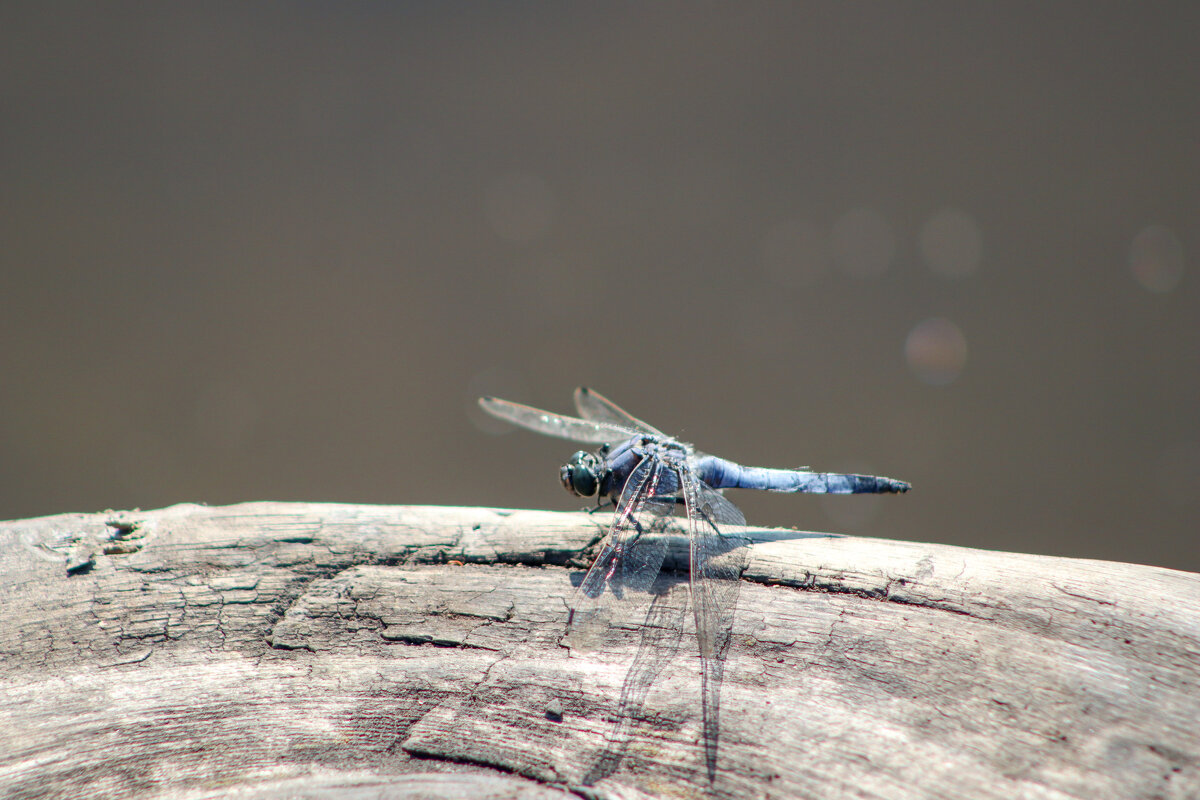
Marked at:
<point>581,475</point>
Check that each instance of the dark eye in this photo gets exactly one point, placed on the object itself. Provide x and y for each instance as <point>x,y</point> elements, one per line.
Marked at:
<point>579,476</point>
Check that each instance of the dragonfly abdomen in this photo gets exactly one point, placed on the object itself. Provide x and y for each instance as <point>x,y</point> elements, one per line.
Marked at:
<point>721,474</point>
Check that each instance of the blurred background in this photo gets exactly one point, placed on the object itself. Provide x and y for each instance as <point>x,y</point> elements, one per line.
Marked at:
<point>276,251</point>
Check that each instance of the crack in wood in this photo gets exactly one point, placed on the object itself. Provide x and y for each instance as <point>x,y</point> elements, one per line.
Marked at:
<point>1047,677</point>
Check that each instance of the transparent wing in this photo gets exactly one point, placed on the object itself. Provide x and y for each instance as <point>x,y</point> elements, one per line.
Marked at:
<point>717,538</point>
<point>629,562</point>
<point>580,430</point>
<point>717,534</point>
<point>598,408</point>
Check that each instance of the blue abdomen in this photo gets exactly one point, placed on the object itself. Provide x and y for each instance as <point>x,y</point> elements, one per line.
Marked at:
<point>721,474</point>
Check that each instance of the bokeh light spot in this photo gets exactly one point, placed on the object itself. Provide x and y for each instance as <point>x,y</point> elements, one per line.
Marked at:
<point>519,207</point>
<point>863,243</point>
<point>936,351</point>
<point>951,243</point>
<point>1156,258</point>
<point>795,253</point>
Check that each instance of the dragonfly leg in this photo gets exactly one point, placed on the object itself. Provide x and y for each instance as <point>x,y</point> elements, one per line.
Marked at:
<point>703,512</point>
<point>637,526</point>
<point>601,504</point>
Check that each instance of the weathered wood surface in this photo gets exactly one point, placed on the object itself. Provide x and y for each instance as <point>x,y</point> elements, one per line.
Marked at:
<point>300,650</point>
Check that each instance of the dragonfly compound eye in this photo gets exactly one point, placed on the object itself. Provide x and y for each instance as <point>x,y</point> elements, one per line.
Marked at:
<point>579,476</point>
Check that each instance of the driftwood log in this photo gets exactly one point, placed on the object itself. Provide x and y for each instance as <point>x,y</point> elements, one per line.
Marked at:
<point>298,650</point>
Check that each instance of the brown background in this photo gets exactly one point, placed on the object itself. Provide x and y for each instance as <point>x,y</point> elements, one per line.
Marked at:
<point>275,252</point>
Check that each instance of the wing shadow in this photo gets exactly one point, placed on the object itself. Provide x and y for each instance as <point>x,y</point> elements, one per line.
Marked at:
<point>661,634</point>
<point>661,637</point>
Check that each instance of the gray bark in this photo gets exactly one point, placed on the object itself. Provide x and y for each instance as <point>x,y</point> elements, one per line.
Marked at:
<point>301,650</point>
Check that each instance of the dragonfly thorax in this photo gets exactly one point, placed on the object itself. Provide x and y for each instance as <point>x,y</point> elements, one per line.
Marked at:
<point>604,472</point>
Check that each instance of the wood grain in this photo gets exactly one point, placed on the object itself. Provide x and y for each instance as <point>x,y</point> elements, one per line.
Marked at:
<point>306,650</point>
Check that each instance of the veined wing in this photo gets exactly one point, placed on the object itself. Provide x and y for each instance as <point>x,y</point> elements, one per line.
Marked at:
<point>564,427</point>
<point>629,561</point>
<point>717,539</point>
<point>596,407</point>
<point>716,533</point>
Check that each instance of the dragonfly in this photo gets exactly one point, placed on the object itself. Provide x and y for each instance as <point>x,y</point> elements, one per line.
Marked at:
<point>646,475</point>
